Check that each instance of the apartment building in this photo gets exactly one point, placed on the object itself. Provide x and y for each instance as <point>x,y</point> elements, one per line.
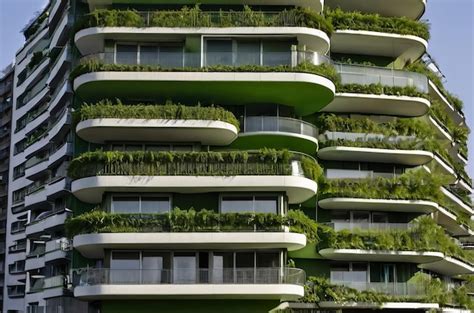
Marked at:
<point>243,155</point>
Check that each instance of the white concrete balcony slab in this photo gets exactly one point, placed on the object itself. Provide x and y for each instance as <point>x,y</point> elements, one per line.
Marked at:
<point>415,206</point>
<point>94,245</point>
<point>206,132</point>
<point>352,255</point>
<point>91,189</point>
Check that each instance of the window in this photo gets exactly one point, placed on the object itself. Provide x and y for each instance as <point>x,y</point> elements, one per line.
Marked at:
<point>249,203</point>
<point>165,55</point>
<point>184,267</point>
<point>20,146</point>
<point>125,267</point>
<point>354,273</point>
<point>141,204</point>
<point>19,195</point>
<point>19,171</point>
<point>126,54</point>
<point>156,267</point>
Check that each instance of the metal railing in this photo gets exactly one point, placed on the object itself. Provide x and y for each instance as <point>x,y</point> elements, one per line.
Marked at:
<point>179,59</point>
<point>388,288</point>
<point>274,275</point>
<point>32,92</point>
<point>54,282</point>
<point>278,124</point>
<point>366,75</point>
<point>369,226</point>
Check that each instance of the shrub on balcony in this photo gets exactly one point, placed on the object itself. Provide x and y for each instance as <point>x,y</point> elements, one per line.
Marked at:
<point>109,109</point>
<point>195,17</point>
<point>190,221</point>
<point>421,68</point>
<point>342,20</point>
<point>92,65</point>
<point>433,290</point>
<point>379,89</point>
<point>425,235</point>
<point>413,185</point>
<point>227,163</point>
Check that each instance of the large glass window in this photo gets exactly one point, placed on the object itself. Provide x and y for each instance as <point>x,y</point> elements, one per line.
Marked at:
<point>172,56</point>
<point>276,53</point>
<point>223,267</point>
<point>250,203</point>
<point>218,52</point>
<point>184,268</point>
<point>248,52</point>
<point>126,54</point>
<point>156,267</point>
<point>125,267</point>
<point>148,55</point>
<point>141,204</point>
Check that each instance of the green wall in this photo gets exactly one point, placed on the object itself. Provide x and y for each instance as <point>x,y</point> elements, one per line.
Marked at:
<point>187,306</point>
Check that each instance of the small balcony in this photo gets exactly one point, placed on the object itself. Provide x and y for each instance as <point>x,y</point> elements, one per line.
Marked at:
<point>384,103</point>
<point>203,283</point>
<point>278,132</point>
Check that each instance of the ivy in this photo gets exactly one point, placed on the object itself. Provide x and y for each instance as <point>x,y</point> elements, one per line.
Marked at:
<point>109,109</point>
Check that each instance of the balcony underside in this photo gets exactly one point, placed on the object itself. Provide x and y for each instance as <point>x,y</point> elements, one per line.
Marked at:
<point>449,221</point>
<point>93,245</point>
<point>276,140</point>
<point>449,267</point>
<point>91,189</point>
<point>415,206</point>
<point>308,93</point>
<point>92,40</point>
<point>402,47</point>
<point>381,256</point>
<point>214,133</point>
<point>412,9</point>
<point>190,291</point>
<point>378,104</point>
<point>405,157</point>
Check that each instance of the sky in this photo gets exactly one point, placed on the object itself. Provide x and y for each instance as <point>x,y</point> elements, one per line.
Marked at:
<point>451,44</point>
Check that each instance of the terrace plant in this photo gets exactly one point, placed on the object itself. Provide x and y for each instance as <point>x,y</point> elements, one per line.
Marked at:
<point>379,89</point>
<point>373,22</point>
<point>226,163</point>
<point>190,220</point>
<point>109,109</point>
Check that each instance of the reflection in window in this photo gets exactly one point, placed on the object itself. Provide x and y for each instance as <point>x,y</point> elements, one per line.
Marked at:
<point>141,204</point>
<point>245,204</point>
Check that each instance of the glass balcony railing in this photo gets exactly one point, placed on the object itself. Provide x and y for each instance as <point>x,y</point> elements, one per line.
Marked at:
<point>273,275</point>
<point>408,289</point>
<point>278,124</point>
<point>336,173</point>
<point>179,59</point>
<point>366,75</point>
<point>369,226</point>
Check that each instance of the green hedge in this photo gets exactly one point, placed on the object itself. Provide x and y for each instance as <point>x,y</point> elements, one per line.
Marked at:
<point>92,65</point>
<point>413,185</point>
<point>432,290</point>
<point>424,235</point>
<point>195,17</point>
<point>190,221</point>
<point>109,109</point>
<point>227,163</point>
<point>420,67</point>
<point>379,89</point>
<point>397,127</point>
<point>342,20</point>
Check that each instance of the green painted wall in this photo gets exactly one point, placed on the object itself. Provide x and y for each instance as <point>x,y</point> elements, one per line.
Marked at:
<point>208,201</point>
<point>187,306</point>
<point>319,268</point>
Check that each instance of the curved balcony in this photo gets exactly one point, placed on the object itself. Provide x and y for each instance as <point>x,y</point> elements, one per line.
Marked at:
<point>94,245</point>
<point>383,103</point>
<point>445,169</point>
<point>402,47</point>
<point>449,266</point>
<point>223,283</point>
<point>416,206</point>
<point>279,133</point>
<point>354,255</point>
<point>457,201</point>
<point>449,220</point>
<point>207,132</point>
<point>47,221</point>
<point>189,80</point>
<point>36,167</point>
<point>412,9</point>
<point>342,146</point>
<point>150,26</point>
<point>405,157</point>
<point>256,173</point>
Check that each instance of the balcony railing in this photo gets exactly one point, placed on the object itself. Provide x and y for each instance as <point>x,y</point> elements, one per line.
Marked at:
<point>278,124</point>
<point>54,282</point>
<point>32,92</point>
<point>388,288</point>
<point>277,275</point>
<point>366,75</point>
<point>369,226</point>
<point>178,59</point>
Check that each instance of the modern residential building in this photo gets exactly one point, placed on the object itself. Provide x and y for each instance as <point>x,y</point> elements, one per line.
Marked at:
<point>242,155</point>
<point>6,89</point>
